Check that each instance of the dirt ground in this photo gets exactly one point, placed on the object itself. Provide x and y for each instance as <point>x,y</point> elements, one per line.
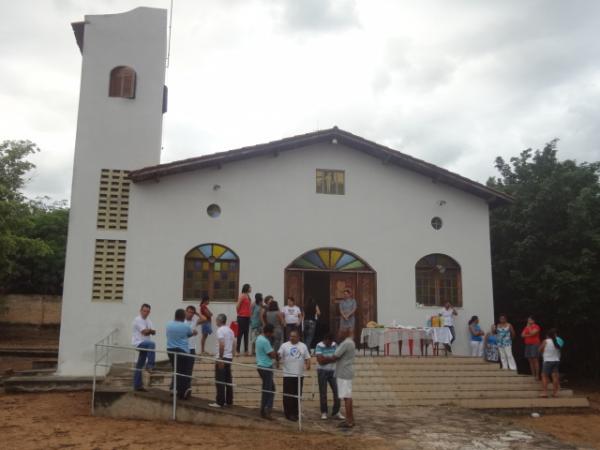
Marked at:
<point>62,420</point>
<point>59,420</point>
<point>579,429</point>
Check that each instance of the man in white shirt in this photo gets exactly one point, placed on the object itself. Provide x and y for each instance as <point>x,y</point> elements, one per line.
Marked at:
<point>142,330</point>
<point>295,358</point>
<point>193,320</point>
<point>292,316</point>
<point>447,314</point>
<point>224,355</point>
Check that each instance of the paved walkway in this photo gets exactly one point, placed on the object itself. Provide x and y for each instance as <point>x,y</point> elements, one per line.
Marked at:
<point>442,428</point>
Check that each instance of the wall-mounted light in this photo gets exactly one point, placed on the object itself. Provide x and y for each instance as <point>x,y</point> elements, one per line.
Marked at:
<point>441,202</point>
<point>216,187</point>
<point>334,141</point>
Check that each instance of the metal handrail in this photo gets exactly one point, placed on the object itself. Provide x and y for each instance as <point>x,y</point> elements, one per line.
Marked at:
<point>109,339</point>
<point>108,346</point>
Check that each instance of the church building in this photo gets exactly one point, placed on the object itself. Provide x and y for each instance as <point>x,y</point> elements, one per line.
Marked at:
<point>305,216</point>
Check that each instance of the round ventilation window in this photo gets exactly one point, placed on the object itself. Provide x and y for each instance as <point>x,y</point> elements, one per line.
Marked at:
<point>436,223</point>
<point>213,210</point>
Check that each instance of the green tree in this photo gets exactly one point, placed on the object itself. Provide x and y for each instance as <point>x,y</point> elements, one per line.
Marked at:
<point>32,234</point>
<point>43,273</point>
<point>546,248</point>
<point>14,210</point>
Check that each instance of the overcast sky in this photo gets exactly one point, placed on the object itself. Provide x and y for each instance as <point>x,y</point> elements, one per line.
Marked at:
<point>453,82</point>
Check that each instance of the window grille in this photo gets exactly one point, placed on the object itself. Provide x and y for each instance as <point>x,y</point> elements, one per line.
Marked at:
<point>109,270</point>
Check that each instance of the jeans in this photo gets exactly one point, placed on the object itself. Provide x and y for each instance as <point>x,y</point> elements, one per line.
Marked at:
<point>290,404</point>
<point>328,377</point>
<point>243,330</point>
<point>141,361</point>
<point>266,399</point>
<point>224,391</point>
<point>309,332</point>
<point>184,367</point>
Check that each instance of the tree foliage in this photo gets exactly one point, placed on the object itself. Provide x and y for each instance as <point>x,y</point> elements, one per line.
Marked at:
<point>546,247</point>
<point>32,233</point>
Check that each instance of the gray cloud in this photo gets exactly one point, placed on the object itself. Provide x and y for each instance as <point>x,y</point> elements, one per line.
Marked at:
<point>319,15</point>
<point>452,83</point>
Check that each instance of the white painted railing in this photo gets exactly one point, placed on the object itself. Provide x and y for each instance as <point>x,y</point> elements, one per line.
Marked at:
<point>102,359</point>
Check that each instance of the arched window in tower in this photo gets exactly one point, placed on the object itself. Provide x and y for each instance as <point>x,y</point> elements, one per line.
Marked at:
<point>213,270</point>
<point>438,281</point>
<point>122,82</point>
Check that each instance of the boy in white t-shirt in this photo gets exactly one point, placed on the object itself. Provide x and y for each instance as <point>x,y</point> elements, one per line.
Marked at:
<point>292,316</point>
<point>295,358</point>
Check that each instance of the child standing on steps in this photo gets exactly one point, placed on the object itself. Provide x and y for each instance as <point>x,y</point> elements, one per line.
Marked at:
<point>550,350</point>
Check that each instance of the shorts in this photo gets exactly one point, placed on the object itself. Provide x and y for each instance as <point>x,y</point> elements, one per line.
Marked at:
<point>532,351</point>
<point>550,367</point>
<point>206,328</point>
<point>344,388</point>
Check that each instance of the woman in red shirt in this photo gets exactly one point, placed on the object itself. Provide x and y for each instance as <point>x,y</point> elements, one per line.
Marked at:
<point>243,308</point>
<point>531,337</point>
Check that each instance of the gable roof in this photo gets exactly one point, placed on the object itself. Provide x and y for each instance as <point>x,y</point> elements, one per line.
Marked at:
<point>332,135</point>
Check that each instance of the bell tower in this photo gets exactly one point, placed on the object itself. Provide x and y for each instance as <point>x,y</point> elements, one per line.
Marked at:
<point>119,128</point>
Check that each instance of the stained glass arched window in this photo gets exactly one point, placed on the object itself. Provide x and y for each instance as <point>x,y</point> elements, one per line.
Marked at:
<point>438,280</point>
<point>329,259</point>
<point>213,270</point>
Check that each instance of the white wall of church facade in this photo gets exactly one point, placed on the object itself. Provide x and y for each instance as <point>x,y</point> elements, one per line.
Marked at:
<point>271,215</point>
<point>112,133</point>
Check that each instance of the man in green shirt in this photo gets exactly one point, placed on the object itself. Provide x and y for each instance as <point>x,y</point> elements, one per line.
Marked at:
<point>264,360</point>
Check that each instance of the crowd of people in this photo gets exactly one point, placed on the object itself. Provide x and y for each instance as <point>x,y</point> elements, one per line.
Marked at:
<point>280,340</point>
<point>497,346</point>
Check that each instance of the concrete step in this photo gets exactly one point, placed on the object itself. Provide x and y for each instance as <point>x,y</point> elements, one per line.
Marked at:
<point>485,404</point>
<point>373,384</point>
<point>392,396</point>
<point>36,383</point>
<point>387,388</point>
<point>526,403</point>
<point>387,381</point>
<point>391,369</point>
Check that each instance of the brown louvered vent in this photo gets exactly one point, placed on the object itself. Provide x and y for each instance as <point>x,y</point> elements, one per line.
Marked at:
<point>109,270</point>
<point>113,204</point>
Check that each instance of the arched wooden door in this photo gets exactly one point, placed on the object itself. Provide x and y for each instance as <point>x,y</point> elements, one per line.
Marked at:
<point>336,270</point>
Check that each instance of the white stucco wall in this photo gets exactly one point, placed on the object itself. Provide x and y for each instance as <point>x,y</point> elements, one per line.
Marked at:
<point>271,215</point>
<point>112,133</point>
<point>270,211</point>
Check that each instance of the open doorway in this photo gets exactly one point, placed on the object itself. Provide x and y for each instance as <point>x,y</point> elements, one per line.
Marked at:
<point>316,286</point>
<point>324,274</point>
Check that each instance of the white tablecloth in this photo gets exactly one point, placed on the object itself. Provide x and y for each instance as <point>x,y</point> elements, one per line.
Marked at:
<point>440,335</point>
<point>379,337</point>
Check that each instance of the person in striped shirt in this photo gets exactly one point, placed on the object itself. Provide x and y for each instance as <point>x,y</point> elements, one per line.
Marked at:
<point>326,375</point>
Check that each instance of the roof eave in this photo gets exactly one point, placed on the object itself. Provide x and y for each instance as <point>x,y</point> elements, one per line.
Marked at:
<point>437,174</point>
<point>79,31</point>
